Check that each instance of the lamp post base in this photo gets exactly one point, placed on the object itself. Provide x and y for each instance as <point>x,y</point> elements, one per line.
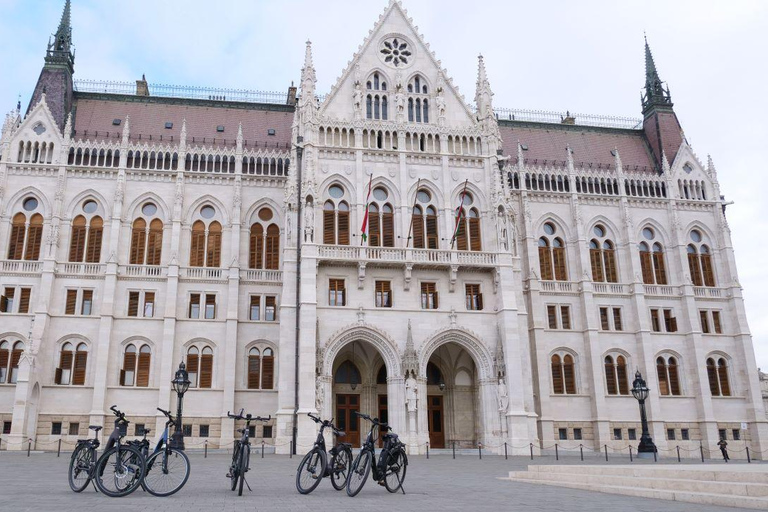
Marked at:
<point>177,440</point>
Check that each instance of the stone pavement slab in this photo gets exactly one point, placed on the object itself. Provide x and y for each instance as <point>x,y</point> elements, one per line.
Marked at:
<point>440,483</point>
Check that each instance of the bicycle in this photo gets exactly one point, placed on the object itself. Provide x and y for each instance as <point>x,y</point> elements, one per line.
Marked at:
<point>124,465</point>
<point>241,454</point>
<point>167,468</point>
<point>392,461</point>
<point>314,466</point>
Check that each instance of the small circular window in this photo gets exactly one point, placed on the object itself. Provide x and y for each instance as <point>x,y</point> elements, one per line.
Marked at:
<point>265,214</point>
<point>423,196</point>
<point>549,228</point>
<point>90,206</point>
<point>599,231</point>
<point>30,204</point>
<point>380,194</point>
<point>696,236</point>
<point>336,191</point>
<point>467,200</point>
<point>149,209</point>
<point>207,212</point>
<point>648,233</point>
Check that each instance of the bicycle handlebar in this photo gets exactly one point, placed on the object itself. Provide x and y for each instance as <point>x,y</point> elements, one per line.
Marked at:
<point>248,418</point>
<point>375,421</point>
<point>327,423</point>
<point>120,415</point>
<point>171,421</point>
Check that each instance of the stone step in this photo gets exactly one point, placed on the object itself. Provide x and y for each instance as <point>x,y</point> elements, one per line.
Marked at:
<point>742,473</point>
<point>666,483</point>
<point>703,498</point>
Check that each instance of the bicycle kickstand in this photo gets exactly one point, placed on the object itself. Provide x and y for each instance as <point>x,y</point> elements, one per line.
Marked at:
<point>246,484</point>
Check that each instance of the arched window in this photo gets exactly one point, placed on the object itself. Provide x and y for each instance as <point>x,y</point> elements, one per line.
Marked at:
<point>418,103</point>
<point>261,368</point>
<point>347,373</point>
<point>667,370</point>
<point>424,221</point>
<point>468,225</point>
<point>434,375</point>
<point>552,255</point>
<point>146,237</point>
<point>717,371</point>
<point>200,366</point>
<point>205,246</point>
<point>26,232</point>
<point>652,259</point>
<point>376,105</point>
<point>136,366</point>
<point>381,220</point>
<point>87,230</point>
<point>336,217</point>
<point>563,374</point>
<point>616,379</point>
<point>9,361</point>
<point>72,364</point>
<point>264,246</point>
<point>700,261</point>
<point>381,376</point>
<point>602,256</point>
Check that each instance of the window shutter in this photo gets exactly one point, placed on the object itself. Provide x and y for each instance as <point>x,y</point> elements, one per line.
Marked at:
<point>569,375</point>
<point>129,365</point>
<point>155,243</point>
<point>716,321</point>
<point>418,231</point>
<point>94,240</point>
<point>552,317</point>
<point>77,241</point>
<point>4,356</point>
<point>557,376</point>
<point>255,245</point>
<point>197,245</point>
<point>559,260</point>
<point>149,305</point>
<point>343,228</point>
<point>194,305</point>
<point>432,241</point>
<point>34,238</point>
<point>18,230</point>
<point>142,375</point>
<point>329,229</point>
<point>206,370</point>
<point>661,374</point>
<point>71,302</point>
<point>565,316</point>
<point>610,376</point>
<point>474,234</point>
<point>704,321</point>
<point>133,303</point>
<point>658,265</point>
<point>65,361</point>
<point>122,377</point>
<point>81,362</point>
<point>213,250</point>
<point>647,268</point>
<point>15,357</point>
<point>674,379</point>
<point>24,300</point>
<point>722,371</point>
<point>193,368</point>
<point>255,308</point>
<point>57,377</point>
<point>374,233</point>
<point>388,227</point>
<point>545,264</point>
<point>714,388</point>
<point>617,324</point>
<point>695,269</point>
<point>138,241</point>
<point>253,372</point>
<point>268,372</point>
<point>461,233</point>
<point>621,369</point>
<point>597,265</point>
<point>210,305</point>
<point>272,249</point>
<point>86,307</point>
<point>706,266</point>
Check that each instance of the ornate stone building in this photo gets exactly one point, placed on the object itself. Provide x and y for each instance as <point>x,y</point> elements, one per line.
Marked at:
<point>309,253</point>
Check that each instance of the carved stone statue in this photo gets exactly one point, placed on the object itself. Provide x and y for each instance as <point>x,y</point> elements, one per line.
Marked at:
<point>309,223</point>
<point>411,393</point>
<point>400,101</point>
<point>502,396</point>
<point>501,228</point>
<point>440,103</point>
<point>319,396</point>
<point>358,99</point>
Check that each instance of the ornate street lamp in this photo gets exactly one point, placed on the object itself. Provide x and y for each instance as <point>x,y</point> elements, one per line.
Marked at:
<point>180,386</point>
<point>640,392</point>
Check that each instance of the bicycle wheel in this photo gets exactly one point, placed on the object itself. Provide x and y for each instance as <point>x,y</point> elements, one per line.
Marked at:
<point>167,472</point>
<point>245,457</point>
<point>119,471</point>
<point>80,467</point>
<point>340,464</point>
<point>397,464</point>
<point>311,471</point>
<point>359,472</point>
<point>234,468</point>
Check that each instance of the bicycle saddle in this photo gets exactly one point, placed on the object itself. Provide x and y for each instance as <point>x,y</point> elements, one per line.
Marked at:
<point>95,428</point>
<point>146,431</point>
<point>348,445</point>
<point>390,436</point>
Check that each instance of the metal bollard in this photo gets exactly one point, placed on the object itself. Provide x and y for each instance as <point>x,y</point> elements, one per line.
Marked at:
<point>58,452</point>
<point>480,450</point>
<point>701,449</point>
<point>29,447</point>
<point>581,449</point>
<point>606,452</point>
<point>262,449</point>
<point>630,454</point>
<point>749,459</point>
<point>206,448</point>
<point>678,454</point>
<point>557,455</point>
<point>654,455</point>
<point>531,451</point>
<point>290,451</point>
<point>427,450</point>
<point>454,449</point>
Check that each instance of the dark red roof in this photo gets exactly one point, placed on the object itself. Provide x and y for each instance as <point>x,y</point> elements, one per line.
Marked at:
<point>547,145</point>
<point>94,117</point>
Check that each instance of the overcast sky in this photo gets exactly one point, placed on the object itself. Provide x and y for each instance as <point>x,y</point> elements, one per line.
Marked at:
<point>586,56</point>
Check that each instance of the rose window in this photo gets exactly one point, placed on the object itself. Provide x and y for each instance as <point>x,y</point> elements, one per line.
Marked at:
<point>395,51</point>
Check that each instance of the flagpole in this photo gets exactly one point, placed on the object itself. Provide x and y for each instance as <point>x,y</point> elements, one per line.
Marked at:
<point>364,227</point>
<point>459,213</point>
<point>410,225</point>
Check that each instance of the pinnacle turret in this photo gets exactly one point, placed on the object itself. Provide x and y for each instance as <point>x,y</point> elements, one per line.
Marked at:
<point>483,94</point>
<point>60,47</point>
<point>308,78</point>
<point>655,93</point>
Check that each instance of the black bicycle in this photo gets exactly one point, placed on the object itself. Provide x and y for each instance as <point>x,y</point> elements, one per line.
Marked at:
<point>167,468</point>
<point>120,469</point>
<point>392,465</point>
<point>241,455</point>
<point>314,465</point>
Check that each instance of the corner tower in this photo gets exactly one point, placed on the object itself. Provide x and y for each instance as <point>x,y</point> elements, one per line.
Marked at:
<point>660,124</point>
<point>55,79</point>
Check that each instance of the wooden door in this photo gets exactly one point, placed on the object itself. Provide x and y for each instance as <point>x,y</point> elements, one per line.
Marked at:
<point>435,418</point>
<point>383,416</point>
<point>346,421</point>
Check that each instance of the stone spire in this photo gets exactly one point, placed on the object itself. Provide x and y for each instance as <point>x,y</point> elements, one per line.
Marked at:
<point>410,357</point>
<point>655,93</point>
<point>60,49</point>
<point>483,94</point>
<point>308,78</point>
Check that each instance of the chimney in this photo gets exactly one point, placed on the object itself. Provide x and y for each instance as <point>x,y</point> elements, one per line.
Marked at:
<point>142,89</point>
<point>291,95</point>
<point>568,119</point>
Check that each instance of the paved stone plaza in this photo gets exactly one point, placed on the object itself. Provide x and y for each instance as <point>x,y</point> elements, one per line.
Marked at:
<point>440,483</point>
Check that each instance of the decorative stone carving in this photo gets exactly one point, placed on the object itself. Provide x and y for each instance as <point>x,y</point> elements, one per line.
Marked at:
<point>319,395</point>
<point>502,396</point>
<point>411,393</point>
<point>309,223</point>
<point>410,357</point>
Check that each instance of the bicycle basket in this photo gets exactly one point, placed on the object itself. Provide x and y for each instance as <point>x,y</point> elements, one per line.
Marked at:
<point>122,429</point>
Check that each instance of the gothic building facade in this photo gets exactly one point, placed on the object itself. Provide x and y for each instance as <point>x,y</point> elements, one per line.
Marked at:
<point>472,275</point>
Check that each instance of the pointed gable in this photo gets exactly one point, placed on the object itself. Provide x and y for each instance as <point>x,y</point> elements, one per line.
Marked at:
<point>393,55</point>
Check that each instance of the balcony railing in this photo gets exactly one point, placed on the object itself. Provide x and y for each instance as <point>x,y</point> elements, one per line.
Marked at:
<point>202,273</point>
<point>20,267</point>
<point>709,292</point>
<point>558,286</point>
<point>81,269</point>
<point>429,257</point>
<point>143,271</point>
<point>661,290</point>
<point>262,275</point>
<point>610,289</point>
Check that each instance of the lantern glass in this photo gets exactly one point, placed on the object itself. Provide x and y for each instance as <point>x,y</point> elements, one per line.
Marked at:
<point>181,380</point>
<point>639,388</point>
